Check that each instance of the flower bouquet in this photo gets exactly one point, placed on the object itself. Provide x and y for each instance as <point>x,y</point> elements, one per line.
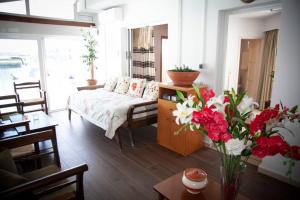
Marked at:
<point>228,120</point>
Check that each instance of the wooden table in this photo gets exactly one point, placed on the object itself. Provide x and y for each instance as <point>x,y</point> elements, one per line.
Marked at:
<point>173,189</point>
<point>39,121</point>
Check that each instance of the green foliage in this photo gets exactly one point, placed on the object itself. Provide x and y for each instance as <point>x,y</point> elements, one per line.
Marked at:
<point>182,68</point>
<point>90,45</point>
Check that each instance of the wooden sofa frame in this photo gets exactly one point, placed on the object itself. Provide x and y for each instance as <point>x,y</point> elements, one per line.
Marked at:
<point>131,122</point>
<point>46,180</point>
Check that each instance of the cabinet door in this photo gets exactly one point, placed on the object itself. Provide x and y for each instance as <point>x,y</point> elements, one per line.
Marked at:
<point>165,109</point>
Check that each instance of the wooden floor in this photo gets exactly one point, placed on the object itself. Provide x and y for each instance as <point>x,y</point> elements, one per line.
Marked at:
<point>131,174</point>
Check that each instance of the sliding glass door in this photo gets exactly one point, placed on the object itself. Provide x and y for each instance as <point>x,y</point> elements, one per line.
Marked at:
<point>19,61</point>
<point>64,69</point>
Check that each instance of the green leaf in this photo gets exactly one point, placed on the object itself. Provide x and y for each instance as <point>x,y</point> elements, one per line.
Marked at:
<point>198,94</point>
<point>180,95</point>
<point>294,109</point>
<point>246,152</point>
<point>240,97</point>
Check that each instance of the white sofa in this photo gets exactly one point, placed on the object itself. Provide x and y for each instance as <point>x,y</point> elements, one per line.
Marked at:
<point>110,110</point>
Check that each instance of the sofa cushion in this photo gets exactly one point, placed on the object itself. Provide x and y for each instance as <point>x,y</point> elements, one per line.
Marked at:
<point>151,91</point>
<point>122,85</point>
<point>6,161</point>
<point>9,179</point>
<point>111,84</point>
<point>136,87</point>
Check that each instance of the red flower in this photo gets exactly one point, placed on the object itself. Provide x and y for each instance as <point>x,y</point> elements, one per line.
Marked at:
<point>294,152</point>
<point>213,122</point>
<point>259,122</point>
<point>207,94</point>
<point>269,146</point>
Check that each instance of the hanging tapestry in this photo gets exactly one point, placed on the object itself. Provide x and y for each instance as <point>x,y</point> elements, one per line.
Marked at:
<point>143,54</point>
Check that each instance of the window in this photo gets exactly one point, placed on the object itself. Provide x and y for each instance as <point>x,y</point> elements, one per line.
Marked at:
<point>18,62</point>
<point>15,7</point>
<point>52,8</point>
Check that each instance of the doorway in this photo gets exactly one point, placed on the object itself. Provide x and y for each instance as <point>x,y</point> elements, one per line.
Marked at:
<point>250,55</point>
<point>147,47</point>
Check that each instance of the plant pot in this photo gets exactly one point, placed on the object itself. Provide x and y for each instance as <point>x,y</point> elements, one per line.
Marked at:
<point>194,180</point>
<point>91,82</point>
<point>183,78</point>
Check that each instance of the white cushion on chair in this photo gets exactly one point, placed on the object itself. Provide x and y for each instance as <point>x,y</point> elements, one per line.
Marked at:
<point>111,84</point>
<point>122,85</point>
<point>151,91</point>
<point>136,87</point>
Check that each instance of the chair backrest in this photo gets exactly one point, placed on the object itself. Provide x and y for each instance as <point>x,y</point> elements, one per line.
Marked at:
<point>7,102</point>
<point>27,85</point>
<point>33,138</point>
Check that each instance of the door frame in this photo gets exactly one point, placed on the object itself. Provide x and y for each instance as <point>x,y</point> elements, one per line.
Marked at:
<point>223,21</point>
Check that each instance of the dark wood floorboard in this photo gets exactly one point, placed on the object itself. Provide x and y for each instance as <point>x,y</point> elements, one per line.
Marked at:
<point>131,174</point>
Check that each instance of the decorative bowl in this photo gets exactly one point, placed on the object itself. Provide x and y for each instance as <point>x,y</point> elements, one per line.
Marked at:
<point>183,78</point>
<point>194,180</point>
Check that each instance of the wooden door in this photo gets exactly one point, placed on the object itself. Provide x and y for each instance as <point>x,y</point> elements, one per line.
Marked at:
<point>250,66</point>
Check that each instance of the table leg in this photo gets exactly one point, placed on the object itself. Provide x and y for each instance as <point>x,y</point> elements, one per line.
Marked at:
<point>37,151</point>
<point>160,196</point>
<point>55,148</point>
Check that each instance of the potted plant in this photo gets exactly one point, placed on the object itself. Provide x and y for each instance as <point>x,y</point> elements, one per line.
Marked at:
<point>90,56</point>
<point>183,75</point>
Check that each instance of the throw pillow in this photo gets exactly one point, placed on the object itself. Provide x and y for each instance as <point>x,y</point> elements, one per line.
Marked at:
<point>6,161</point>
<point>9,179</point>
<point>110,84</point>
<point>122,85</point>
<point>136,87</point>
<point>151,91</point>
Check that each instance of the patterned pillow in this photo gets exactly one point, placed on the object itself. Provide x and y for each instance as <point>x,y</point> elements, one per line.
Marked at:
<point>136,87</point>
<point>122,85</point>
<point>151,91</point>
<point>111,84</point>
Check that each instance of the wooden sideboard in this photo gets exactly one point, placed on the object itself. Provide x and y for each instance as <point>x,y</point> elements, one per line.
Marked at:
<point>185,143</point>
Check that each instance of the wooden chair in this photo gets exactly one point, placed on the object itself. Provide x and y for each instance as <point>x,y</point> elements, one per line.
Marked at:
<point>10,101</point>
<point>41,100</point>
<point>50,182</point>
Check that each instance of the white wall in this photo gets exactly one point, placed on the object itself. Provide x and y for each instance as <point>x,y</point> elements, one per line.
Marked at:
<point>272,22</point>
<point>287,81</point>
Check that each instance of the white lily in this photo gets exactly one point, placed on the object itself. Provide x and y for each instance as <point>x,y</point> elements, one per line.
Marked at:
<point>183,113</point>
<point>246,105</point>
<point>190,100</point>
<point>218,102</point>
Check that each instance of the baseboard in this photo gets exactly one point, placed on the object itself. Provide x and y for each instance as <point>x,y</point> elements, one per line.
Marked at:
<point>279,177</point>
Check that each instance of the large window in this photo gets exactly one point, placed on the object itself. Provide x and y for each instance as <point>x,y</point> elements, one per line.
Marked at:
<point>16,7</point>
<point>63,9</point>
<point>19,62</point>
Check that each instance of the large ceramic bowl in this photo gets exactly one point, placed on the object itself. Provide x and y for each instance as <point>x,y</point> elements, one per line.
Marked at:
<point>194,180</point>
<point>183,78</point>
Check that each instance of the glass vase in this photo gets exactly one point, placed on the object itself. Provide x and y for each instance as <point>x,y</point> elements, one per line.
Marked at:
<point>231,173</point>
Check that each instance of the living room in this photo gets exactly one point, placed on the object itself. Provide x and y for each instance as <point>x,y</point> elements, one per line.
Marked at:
<point>118,139</point>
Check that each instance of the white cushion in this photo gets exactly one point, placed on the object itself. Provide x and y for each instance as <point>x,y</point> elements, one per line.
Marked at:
<point>122,85</point>
<point>111,84</point>
<point>151,91</point>
<point>136,87</point>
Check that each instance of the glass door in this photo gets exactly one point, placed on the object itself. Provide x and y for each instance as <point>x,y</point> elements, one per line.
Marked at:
<point>64,69</point>
<point>19,62</point>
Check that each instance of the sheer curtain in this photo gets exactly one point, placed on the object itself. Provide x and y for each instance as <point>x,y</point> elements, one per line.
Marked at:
<point>143,54</point>
<point>268,66</point>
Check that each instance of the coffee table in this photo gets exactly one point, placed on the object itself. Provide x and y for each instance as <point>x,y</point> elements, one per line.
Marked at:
<point>39,121</point>
<point>173,189</point>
